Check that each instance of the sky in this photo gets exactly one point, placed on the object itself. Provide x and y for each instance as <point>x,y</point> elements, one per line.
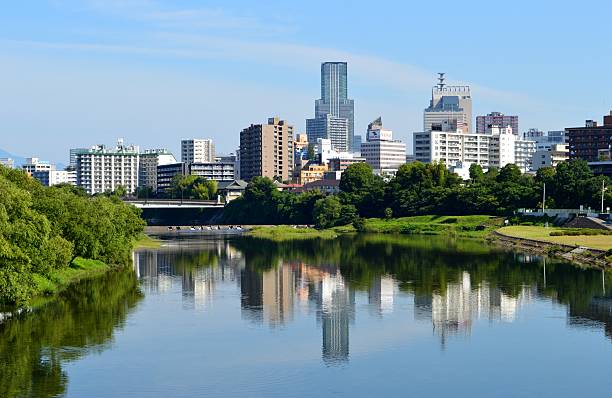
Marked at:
<point>79,73</point>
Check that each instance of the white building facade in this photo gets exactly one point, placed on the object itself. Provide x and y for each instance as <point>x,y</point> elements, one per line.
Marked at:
<point>380,151</point>
<point>100,169</point>
<point>197,151</point>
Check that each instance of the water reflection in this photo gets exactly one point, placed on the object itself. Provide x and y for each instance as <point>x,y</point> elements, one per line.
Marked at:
<point>453,284</point>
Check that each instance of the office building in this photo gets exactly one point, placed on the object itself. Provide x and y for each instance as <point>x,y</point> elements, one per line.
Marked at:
<point>450,108</point>
<point>356,143</point>
<point>166,174</point>
<point>147,169</point>
<point>267,150</point>
<point>549,157</point>
<point>333,128</point>
<point>197,151</point>
<point>496,119</point>
<point>585,142</point>
<point>100,169</point>
<point>380,150</point>
<point>334,112</point>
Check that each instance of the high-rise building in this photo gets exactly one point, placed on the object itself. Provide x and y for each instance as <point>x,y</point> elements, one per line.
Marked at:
<point>586,142</point>
<point>496,119</point>
<point>450,108</point>
<point>197,151</point>
<point>267,150</point>
<point>147,169</point>
<point>329,127</point>
<point>334,101</point>
<point>100,169</point>
<point>380,150</point>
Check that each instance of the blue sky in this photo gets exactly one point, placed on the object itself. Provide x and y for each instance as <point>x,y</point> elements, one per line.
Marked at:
<point>76,73</point>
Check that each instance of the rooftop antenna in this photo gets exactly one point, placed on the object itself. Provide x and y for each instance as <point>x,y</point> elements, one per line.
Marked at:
<point>441,80</point>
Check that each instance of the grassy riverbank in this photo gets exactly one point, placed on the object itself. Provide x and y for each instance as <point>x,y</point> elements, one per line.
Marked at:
<point>144,241</point>
<point>466,226</point>
<point>280,233</point>
<point>599,242</point>
<point>58,280</point>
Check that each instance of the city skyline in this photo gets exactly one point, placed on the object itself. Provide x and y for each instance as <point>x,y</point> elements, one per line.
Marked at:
<point>74,74</point>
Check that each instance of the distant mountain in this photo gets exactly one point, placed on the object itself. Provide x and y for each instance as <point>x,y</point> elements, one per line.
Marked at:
<point>19,160</point>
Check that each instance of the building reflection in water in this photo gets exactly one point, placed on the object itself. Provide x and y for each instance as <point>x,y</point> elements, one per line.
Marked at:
<point>271,295</point>
<point>453,312</point>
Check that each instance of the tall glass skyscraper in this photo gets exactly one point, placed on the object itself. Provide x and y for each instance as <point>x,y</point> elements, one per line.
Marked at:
<point>334,98</point>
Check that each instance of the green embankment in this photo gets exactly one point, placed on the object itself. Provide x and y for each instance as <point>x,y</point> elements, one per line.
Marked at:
<point>144,241</point>
<point>60,279</point>
<point>281,233</point>
<point>599,242</point>
<point>469,226</point>
<point>466,226</point>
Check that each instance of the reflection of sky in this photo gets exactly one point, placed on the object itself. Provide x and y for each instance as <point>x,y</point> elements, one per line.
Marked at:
<point>514,347</point>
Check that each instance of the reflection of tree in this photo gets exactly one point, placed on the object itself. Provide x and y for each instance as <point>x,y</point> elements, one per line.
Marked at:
<point>32,348</point>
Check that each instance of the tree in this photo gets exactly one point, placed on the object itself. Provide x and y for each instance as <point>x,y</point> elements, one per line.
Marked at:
<point>327,212</point>
<point>476,173</point>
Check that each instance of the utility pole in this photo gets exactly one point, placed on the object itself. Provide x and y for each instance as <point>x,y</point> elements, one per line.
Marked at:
<point>544,198</point>
<point>603,189</point>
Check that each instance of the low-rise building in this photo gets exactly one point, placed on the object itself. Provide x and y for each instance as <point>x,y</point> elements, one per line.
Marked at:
<point>231,190</point>
<point>7,162</point>
<point>549,157</point>
<point>312,172</point>
<point>217,171</point>
<point>165,175</point>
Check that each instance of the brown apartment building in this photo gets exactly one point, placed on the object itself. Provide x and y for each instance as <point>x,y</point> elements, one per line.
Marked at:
<point>267,150</point>
<point>587,142</point>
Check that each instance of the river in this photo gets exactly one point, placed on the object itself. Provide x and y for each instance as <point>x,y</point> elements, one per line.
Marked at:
<point>369,315</point>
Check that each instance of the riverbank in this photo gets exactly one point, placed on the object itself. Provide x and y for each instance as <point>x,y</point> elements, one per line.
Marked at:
<point>45,287</point>
<point>585,250</point>
<point>460,226</point>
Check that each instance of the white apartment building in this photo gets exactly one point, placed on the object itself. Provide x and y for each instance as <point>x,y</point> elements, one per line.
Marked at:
<point>100,169</point>
<point>7,162</point>
<point>380,151</point>
<point>147,168</point>
<point>197,151</point>
<point>496,148</point>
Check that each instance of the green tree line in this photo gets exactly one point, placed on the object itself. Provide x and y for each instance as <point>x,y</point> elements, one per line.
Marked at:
<point>419,189</point>
<point>42,230</point>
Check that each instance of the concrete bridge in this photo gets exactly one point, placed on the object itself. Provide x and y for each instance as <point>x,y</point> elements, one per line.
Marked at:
<point>176,204</point>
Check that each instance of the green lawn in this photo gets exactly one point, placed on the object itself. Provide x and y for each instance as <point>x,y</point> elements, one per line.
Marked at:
<point>475,226</point>
<point>601,242</point>
<point>281,233</point>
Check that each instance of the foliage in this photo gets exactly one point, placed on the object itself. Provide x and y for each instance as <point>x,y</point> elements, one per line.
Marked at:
<point>43,229</point>
<point>193,187</point>
<point>423,189</point>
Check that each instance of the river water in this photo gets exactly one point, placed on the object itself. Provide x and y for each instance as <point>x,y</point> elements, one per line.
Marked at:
<point>358,316</point>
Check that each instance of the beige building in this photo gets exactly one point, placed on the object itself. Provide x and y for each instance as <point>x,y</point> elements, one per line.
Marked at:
<point>267,150</point>
<point>312,172</point>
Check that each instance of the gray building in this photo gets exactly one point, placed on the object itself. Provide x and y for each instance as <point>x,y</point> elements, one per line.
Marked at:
<point>334,99</point>
<point>335,129</point>
<point>450,108</point>
<point>496,119</point>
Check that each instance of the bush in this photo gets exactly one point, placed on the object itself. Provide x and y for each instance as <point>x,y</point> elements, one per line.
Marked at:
<point>359,225</point>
